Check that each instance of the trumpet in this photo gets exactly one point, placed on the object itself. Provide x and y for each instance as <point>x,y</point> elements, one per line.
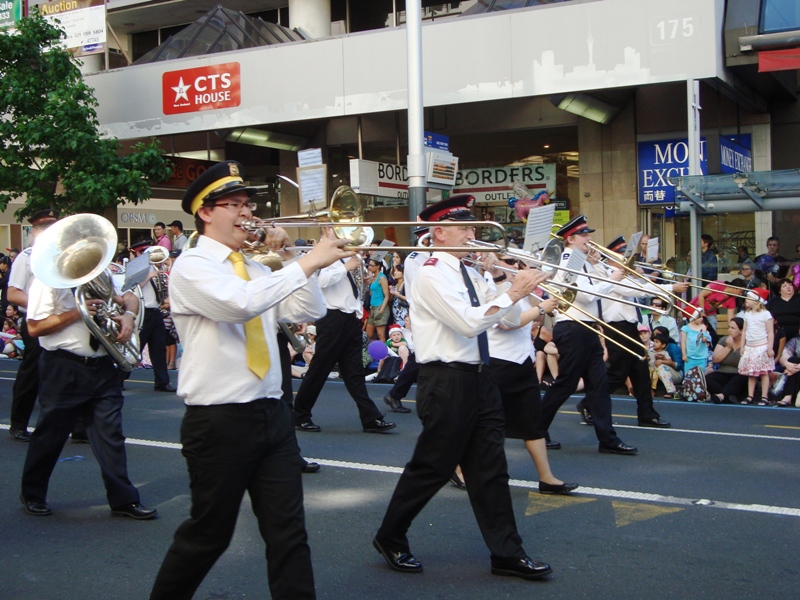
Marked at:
<point>566,300</point>
<point>345,216</point>
<point>158,258</point>
<point>75,253</point>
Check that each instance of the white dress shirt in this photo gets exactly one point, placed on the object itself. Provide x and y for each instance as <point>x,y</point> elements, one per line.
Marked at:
<point>514,345</point>
<point>444,320</point>
<point>338,291</point>
<point>45,301</point>
<point>210,305</point>
<point>583,300</point>
<point>21,276</point>
<point>411,266</point>
<point>614,311</point>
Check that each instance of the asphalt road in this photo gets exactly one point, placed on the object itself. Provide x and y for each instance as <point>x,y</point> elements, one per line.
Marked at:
<point>708,509</point>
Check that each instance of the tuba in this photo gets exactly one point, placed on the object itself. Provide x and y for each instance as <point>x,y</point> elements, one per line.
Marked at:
<point>75,253</point>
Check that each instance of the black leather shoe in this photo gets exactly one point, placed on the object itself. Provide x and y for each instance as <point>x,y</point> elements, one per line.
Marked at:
<point>551,445</point>
<point>404,562</point>
<point>164,388</point>
<point>307,426</point>
<point>134,511</point>
<point>35,507</point>
<point>586,416</point>
<point>556,488</point>
<point>396,406</point>
<point>379,426</point>
<point>458,482</point>
<point>526,568</point>
<point>621,448</point>
<point>659,423</point>
<point>310,467</point>
<point>20,435</point>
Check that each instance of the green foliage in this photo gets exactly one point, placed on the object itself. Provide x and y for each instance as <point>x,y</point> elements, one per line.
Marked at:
<point>50,147</point>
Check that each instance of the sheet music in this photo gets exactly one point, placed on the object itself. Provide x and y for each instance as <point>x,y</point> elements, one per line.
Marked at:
<point>312,188</point>
<point>380,255</point>
<point>539,226</point>
<point>312,157</point>
<point>633,243</point>
<point>576,261</point>
<point>652,250</point>
<point>136,271</point>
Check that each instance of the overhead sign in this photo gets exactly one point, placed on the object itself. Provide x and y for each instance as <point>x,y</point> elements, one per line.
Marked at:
<point>379,179</point>
<point>493,184</point>
<point>84,22</point>
<point>201,88</point>
<point>10,13</point>
<point>660,160</point>
<point>437,141</point>
<point>734,158</point>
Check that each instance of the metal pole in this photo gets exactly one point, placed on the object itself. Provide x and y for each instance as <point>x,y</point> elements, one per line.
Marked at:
<point>416,157</point>
<point>693,106</point>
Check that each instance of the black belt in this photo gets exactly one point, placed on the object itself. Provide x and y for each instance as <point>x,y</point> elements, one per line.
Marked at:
<point>458,366</point>
<point>90,361</point>
<point>151,309</point>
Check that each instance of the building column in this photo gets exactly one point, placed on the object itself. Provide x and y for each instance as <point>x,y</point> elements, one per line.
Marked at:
<point>608,175</point>
<point>313,16</point>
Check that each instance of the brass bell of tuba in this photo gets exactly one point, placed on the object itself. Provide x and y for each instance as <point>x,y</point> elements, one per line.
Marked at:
<point>75,253</point>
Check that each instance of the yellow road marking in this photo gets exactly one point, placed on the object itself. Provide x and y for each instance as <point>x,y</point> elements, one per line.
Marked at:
<point>633,512</point>
<point>542,503</point>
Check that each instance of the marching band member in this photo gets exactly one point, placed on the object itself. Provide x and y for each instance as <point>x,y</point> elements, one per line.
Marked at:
<point>78,380</point>
<point>624,319</point>
<point>579,348</point>
<point>237,432</point>
<point>513,371</point>
<point>457,400</point>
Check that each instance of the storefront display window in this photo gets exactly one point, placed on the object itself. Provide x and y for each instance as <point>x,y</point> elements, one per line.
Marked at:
<point>729,230</point>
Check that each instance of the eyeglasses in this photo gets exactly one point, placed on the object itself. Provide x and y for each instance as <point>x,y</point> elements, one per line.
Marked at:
<point>237,206</point>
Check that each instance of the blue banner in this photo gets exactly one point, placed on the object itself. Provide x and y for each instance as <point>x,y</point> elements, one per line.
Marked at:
<point>660,160</point>
<point>734,158</point>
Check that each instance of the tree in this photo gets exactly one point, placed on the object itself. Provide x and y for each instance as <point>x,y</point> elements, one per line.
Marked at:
<point>50,146</point>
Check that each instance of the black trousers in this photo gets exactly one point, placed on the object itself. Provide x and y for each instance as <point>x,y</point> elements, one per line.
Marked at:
<point>462,423</point>
<point>408,377</point>
<point>154,336</point>
<point>26,385</point>
<point>338,340</point>
<point>69,391</point>
<point>727,384</point>
<point>231,449</point>
<point>580,354</point>
<point>623,365</point>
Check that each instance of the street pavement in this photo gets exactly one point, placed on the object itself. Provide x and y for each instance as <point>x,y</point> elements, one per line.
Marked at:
<point>708,509</point>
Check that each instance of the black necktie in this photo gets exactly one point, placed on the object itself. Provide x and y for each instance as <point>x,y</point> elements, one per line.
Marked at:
<point>352,282</point>
<point>483,339</point>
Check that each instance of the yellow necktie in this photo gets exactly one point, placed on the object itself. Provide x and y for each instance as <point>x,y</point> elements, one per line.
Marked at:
<point>257,351</point>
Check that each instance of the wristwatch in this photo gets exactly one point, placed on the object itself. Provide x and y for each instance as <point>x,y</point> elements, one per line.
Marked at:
<point>541,310</point>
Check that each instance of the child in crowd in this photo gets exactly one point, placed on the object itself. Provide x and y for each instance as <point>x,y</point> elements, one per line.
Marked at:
<point>758,356</point>
<point>398,343</point>
<point>695,341</point>
<point>667,363</point>
<point>695,344</point>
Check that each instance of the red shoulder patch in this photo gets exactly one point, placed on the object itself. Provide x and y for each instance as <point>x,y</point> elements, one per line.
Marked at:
<point>431,262</point>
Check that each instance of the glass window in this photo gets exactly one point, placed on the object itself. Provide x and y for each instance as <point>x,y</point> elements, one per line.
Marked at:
<point>779,15</point>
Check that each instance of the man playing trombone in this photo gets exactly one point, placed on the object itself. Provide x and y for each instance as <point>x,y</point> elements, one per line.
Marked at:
<point>457,399</point>
<point>579,348</point>
<point>624,318</point>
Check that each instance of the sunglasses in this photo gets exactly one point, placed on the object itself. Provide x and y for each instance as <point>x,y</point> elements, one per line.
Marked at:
<point>654,305</point>
<point>510,261</point>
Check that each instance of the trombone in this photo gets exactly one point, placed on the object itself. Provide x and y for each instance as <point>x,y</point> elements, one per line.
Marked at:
<point>668,296</point>
<point>667,274</point>
<point>546,265</point>
<point>344,215</point>
<point>567,300</point>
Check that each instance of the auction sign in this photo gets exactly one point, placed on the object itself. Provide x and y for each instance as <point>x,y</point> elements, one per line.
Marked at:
<point>84,22</point>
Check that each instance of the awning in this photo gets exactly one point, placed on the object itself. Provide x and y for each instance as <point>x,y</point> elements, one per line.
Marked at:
<point>739,192</point>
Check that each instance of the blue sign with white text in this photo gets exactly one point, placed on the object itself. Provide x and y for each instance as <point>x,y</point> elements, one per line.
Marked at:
<point>660,160</point>
<point>437,141</point>
<point>734,158</point>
